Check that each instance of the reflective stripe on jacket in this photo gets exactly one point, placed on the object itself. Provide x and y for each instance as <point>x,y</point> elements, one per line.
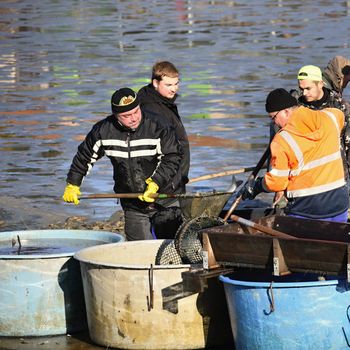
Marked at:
<point>306,162</point>
<point>151,150</point>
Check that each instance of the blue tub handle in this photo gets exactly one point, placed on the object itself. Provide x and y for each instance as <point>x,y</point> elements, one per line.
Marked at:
<point>348,317</point>
<point>271,300</point>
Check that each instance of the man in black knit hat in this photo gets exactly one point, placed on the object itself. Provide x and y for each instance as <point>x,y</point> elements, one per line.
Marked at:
<point>306,160</point>
<point>145,156</point>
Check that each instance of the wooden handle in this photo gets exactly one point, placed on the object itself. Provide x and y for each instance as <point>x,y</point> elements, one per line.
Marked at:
<point>223,173</point>
<point>114,195</point>
<point>264,229</point>
<point>154,195</point>
<point>252,176</point>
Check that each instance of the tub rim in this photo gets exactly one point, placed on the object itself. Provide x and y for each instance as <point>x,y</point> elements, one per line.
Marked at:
<point>78,256</point>
<point>236,282</point>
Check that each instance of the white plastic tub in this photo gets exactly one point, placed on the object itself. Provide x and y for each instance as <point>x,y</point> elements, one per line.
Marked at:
<point>123,312</point>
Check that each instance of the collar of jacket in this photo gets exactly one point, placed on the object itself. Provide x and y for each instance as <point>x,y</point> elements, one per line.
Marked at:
<point>157,96</point>
<point>122,127</point>
<point>321,103</point>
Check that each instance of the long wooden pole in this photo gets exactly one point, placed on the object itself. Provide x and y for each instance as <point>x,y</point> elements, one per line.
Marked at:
<point>252,176</point>
<point>222,173</point>
<point>155,195</point>
<point>261,228</point>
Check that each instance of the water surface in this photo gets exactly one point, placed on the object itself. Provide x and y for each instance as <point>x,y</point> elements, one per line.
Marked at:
<point>61,60</point>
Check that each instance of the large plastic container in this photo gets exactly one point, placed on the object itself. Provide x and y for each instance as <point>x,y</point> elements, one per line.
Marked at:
<point>41,290</point>
<point>291,312</point>
<point>133,304</point>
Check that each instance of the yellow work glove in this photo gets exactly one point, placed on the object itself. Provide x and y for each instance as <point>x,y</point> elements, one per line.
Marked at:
<point>71,193</point>
<point>152,188</point>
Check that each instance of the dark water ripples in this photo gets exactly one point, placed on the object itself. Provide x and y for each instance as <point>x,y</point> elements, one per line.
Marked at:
<point>60,62</point>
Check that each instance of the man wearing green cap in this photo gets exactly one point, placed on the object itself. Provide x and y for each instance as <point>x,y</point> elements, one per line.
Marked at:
<point>311,87</point>
<point>315,95</point>
<point>145,157</point>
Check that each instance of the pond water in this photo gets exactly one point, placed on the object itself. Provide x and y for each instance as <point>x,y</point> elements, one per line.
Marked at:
<point>61,60</point>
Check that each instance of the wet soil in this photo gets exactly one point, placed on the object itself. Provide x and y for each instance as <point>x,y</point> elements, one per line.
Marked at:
<point>22,214</point>
<point>79,341</point>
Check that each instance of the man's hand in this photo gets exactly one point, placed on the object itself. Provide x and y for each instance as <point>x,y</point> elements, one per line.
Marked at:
<point>71,193</point>
<point>252,188</point>
<point>279,200</point>
<point>152,188</point>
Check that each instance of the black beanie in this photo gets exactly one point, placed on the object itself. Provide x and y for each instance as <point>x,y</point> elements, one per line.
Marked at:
<point>124,100</point>
<point>279,99</point>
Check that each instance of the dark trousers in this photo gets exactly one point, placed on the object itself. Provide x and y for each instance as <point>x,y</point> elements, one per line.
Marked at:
<point>138,224</point>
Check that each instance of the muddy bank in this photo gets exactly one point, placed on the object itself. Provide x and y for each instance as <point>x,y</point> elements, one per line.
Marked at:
<point>22,214</point>
<point>80,341</point>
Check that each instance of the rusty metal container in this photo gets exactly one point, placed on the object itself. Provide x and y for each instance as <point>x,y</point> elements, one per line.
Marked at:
<point>41,291</point>
<point>133,304</point>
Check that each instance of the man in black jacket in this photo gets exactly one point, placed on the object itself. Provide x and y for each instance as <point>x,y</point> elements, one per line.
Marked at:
<point>145,156</point>
<point>159,98</point>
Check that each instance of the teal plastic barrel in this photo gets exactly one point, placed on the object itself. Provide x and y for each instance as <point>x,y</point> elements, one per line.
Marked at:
<point>292,312</point>
<point>41,290</point>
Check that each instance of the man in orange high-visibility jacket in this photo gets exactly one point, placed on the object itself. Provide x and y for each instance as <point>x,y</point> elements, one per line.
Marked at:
<point>305,161</point>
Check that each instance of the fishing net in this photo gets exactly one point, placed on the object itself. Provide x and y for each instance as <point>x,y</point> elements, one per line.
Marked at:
<point>188,239</point>
<point>167,254</point>
<point>207,203</point>
<point>199,211</point>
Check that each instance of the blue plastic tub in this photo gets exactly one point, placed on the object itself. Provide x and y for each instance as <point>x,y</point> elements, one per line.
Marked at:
<point>41,290</point>
<point>292,312</point>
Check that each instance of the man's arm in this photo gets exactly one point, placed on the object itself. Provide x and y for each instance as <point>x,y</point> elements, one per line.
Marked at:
<point>89,151</point>
<point>170,156</point>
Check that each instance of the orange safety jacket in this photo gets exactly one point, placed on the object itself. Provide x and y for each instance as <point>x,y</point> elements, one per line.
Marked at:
<point>306,163</point>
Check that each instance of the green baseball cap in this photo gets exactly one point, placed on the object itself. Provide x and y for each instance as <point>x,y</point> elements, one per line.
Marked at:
<point>310,73</point>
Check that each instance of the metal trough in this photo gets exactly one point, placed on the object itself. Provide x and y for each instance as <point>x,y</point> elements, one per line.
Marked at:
<point>316,246</point>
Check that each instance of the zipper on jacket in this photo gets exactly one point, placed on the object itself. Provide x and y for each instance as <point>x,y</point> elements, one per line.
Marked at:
<point>127,141</point>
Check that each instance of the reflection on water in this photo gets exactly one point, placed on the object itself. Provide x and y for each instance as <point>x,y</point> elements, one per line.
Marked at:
<point>57,76</point>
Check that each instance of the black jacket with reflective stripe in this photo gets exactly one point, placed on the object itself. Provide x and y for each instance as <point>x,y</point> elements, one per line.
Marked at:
<point>152,150</point>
